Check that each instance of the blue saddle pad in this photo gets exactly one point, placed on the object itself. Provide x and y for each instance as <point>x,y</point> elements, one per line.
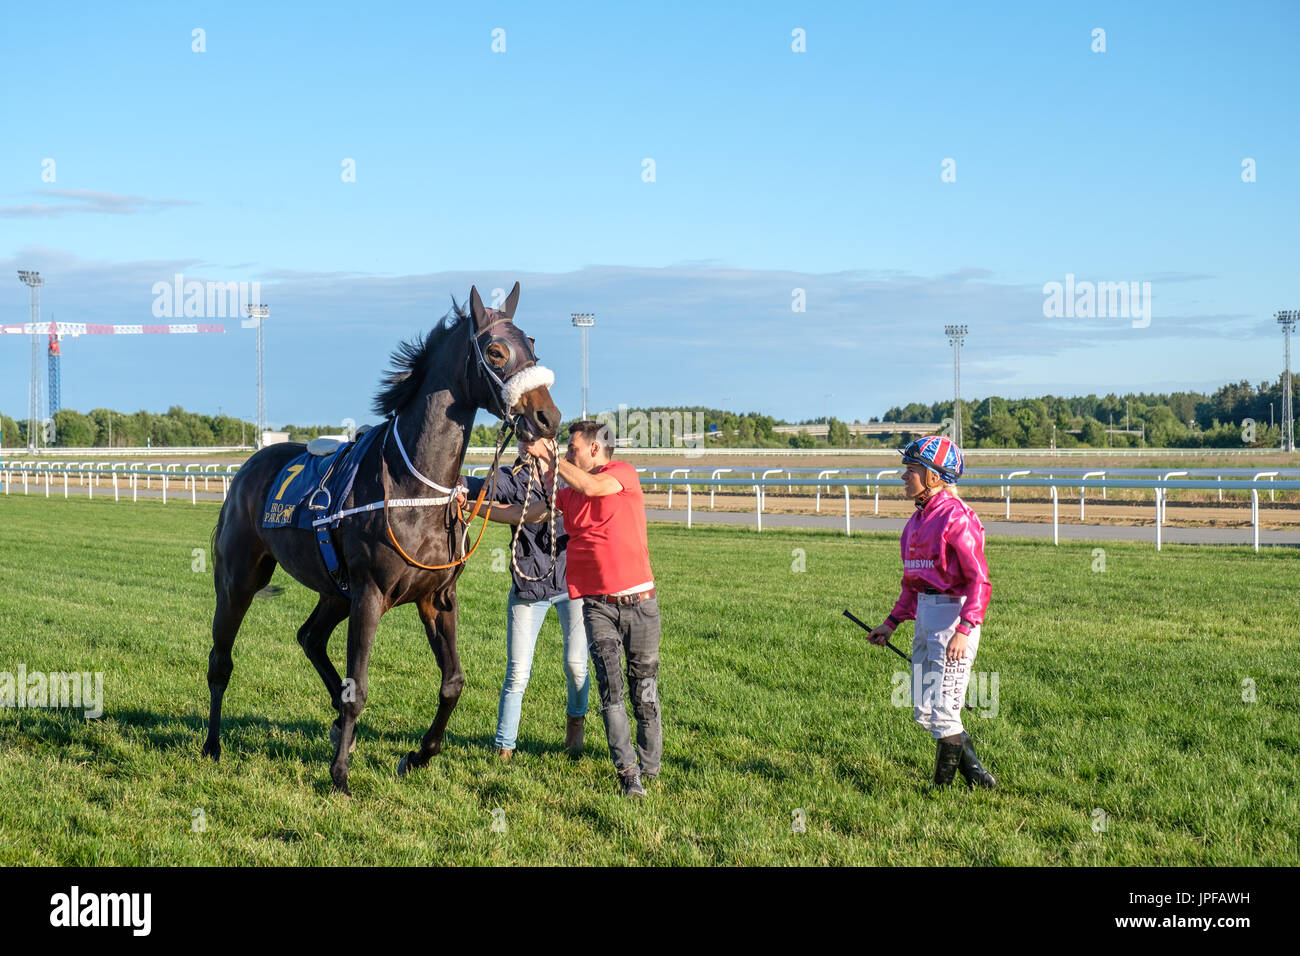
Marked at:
<point>293,500</point>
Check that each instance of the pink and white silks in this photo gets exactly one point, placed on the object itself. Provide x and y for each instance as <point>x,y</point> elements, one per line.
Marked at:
<point>943,551</point>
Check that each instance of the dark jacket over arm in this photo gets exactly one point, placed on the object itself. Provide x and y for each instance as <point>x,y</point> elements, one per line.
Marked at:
<point>534,546</point>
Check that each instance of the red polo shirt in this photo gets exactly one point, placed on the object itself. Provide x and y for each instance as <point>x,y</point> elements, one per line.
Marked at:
<point>607,548</point>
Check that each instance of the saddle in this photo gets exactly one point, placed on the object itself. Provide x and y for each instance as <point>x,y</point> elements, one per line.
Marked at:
<point>310,490</point>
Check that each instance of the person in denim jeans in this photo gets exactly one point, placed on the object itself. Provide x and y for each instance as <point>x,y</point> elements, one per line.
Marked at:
<point>529,601</point>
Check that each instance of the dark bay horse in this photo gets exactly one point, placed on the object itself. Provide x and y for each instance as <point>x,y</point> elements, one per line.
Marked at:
<point>469,361</point>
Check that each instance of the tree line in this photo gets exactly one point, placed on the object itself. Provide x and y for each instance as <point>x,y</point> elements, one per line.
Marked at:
<point>1236,414</point>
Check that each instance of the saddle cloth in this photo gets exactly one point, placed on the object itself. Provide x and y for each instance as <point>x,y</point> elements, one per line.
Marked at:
<point>313,486</point>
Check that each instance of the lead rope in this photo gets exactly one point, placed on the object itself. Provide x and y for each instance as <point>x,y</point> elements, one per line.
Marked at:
<point>549,498</point>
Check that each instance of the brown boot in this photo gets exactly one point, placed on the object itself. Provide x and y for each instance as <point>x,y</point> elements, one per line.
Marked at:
<point>573,734</point>
<point>505,755</point>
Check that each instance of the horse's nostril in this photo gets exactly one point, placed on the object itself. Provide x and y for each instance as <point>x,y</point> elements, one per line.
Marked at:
<point>542,419</point>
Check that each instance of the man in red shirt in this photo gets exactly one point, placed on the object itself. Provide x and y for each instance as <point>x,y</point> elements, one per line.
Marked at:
<point>609,568</point>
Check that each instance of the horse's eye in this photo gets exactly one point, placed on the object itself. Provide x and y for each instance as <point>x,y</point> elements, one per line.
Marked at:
<point>497,355</point>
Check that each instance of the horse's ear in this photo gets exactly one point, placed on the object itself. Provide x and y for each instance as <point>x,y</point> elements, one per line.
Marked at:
<point>512,300</point>
<point>475,306</point>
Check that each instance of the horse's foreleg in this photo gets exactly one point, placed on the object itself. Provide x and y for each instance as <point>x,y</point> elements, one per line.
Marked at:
<point>367,609</point>
<point>236,583</point>
<point>440,627</point>
<point>314,638</point>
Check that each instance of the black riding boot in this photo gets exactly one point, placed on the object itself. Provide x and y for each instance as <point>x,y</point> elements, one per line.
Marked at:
<point>971,768</point>
<point>946,758</point>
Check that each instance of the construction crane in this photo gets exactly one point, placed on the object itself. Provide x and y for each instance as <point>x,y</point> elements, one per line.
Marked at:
<point>57,330</point>
<point>56,400</point>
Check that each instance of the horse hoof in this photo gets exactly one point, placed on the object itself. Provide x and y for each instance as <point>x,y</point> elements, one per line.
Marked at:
<point>213,751</point>
<point>403,765</point>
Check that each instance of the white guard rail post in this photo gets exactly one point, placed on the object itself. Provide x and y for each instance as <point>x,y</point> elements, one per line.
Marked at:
<point>1014,474</point>
<point>673,474</point>
<point>1158,513</point>
<point>826,473</point>
<point>1270,475</point>
<point>714,488</point>
<point>1254,515</point>
<point>879,475</point>
<point>762,489</point>
<point>1164,494</point>
<point>1086,476</point>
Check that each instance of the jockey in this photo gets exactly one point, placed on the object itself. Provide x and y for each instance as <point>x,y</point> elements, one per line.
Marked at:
<point>945,589</point>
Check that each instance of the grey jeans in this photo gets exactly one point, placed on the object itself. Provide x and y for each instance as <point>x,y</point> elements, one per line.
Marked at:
<point>613,631</point>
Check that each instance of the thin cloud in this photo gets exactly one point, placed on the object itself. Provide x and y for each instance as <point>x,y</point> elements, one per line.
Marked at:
<point>88,201</point>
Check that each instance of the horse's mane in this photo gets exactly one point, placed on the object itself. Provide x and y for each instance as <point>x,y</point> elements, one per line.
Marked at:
<point>410,361</point>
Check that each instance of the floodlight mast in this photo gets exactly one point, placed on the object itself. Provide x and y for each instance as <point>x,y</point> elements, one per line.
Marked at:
<point>1287,319</point>
<point>584,321</point>
<point>259,314</point>
<point>34,281</point>
<point>956,333</point>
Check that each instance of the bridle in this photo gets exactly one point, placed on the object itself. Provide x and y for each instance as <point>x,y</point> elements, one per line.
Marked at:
<point>500,388</point>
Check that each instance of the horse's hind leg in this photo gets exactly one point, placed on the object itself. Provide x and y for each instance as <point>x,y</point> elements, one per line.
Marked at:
<point>236,583</point>
<point>440,627</point>
<point>314,637</point>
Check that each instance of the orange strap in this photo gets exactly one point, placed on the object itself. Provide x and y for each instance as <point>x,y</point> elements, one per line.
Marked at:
<point>441,567</point>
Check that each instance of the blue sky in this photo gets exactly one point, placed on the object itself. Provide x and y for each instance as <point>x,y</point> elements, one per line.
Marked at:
<point>774,170</point>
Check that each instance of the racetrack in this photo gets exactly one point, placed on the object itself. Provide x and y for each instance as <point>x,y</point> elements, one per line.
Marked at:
<point>1121,735</point>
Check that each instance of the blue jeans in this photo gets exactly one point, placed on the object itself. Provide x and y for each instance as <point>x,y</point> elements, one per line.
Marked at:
<point>523,623</point>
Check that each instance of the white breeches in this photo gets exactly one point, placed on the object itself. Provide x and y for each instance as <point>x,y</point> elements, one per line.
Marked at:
<point>938,684</point>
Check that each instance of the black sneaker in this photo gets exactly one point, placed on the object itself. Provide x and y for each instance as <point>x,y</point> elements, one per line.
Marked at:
<point>631,782</point>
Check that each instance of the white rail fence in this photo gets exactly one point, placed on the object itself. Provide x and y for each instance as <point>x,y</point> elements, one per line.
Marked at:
<point>1159,487</point>
<point>50,477</point>
<point>120,478</point>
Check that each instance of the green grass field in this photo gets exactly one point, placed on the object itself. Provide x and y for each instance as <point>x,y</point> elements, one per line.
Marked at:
<point>1120,692</point>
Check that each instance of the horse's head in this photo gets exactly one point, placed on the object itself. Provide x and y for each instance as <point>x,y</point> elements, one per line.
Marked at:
<point>509,381</point>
